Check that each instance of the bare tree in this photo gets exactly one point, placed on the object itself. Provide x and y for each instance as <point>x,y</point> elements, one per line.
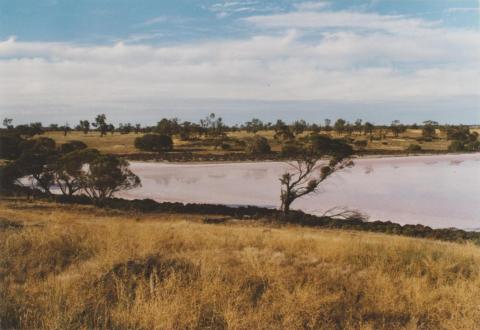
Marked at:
<point>342,213</point>
<point>305,177</point>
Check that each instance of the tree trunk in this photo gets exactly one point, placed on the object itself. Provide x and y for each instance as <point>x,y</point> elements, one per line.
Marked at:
<point>286,207</point>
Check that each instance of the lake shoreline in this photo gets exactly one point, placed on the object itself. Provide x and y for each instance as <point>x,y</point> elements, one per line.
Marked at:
<point>267,161</point>
<point>218,214</point>
<point>210,159</point>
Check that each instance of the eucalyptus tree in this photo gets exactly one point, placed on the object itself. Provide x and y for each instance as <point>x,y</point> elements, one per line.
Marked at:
<point>308,171</point>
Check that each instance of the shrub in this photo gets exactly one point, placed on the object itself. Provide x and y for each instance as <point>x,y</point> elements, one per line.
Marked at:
<point>258,145</point>
<point>361,143</point>
<point>456,145</point>
<point>72,146</point>
<point>154,142</point>
<point>225,146</point>
<point>9,174</point>
<point>325,145</point>
<point>424,139</point>
<point>473,146</point>
<point>10,146</point>
<point>414,148</point>
<point>428,131</point>
<point>292,149</point>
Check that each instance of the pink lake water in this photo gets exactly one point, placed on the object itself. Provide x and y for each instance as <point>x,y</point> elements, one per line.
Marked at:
<point>438,191</point>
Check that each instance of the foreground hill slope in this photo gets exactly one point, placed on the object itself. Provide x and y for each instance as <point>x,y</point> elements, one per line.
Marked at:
<point>70,267</point>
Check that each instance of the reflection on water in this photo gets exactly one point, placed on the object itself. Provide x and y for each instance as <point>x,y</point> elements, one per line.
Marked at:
<point>439,191</point>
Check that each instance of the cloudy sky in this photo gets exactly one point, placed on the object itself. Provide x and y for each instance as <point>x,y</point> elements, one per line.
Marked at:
<point>139,61</point>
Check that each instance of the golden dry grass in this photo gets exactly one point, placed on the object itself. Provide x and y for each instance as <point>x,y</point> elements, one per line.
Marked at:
<point>110,143</point>
<point>73,267</point>
<point>124,143</point>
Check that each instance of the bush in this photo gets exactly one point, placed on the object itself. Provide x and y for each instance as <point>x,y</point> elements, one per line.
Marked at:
<point>72,146</point>
<point>361,143</point>
<point>424,139</point>
<point>258,145</point>
<point>414,148</point>
<point>473,146</point>
<point>428,132</point>
<point>292,149</point>
<point>225,146</point>
<point>9,173</point>
<point>154,142</point>
<point>325,145</point>
<point>456,146</point>
<point>10,146</point>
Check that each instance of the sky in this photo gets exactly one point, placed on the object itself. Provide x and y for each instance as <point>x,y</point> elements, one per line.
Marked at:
<point>139,61</point>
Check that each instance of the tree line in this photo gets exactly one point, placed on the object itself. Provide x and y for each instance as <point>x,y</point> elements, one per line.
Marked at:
<point>213,131</point>
<point>70,168</point>
<point>213,125</point>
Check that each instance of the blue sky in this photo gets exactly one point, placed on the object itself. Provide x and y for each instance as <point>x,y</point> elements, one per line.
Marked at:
<point>379,59</point>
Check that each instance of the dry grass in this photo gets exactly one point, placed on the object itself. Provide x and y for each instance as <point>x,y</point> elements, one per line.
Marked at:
<point>81,268</point>
<point>123,143</point>
<point>110,143</point>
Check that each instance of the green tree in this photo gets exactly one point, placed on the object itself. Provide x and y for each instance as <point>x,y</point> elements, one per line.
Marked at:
<point>66,129</point>
<point>154,142</point>
<point>84,126</point>
<point>368,128</point>
<point>254,125</point>
<point>339,126</point>
<point>396,127</point>
<point>68,170</point>
<point>307,173</point>
<point>37,160</point>
<point>10,146</point>
<point>282,131</point>
<point>305,176</point>
<point>138,127</point>
<point>105,175</point>
<point>358,126</point>
<point>428,131</point>
<point>168,127</point>
<point>299,126</point>
<point>258,145</point>
<point>125,128</point>
<point>322,145</point>
<point>328,122</point>
<point>101,124</point>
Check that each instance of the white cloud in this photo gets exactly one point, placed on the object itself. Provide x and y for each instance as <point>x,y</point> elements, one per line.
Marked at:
<point>309,6</point>
<point>154,20</point>
<point>463,10</point>
<point>342,20</point>
<point>227,8</point>
<point>367,58</point>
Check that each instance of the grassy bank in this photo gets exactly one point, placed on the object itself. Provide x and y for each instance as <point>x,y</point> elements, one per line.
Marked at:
<point>202,149</point>
<point>71,266</point>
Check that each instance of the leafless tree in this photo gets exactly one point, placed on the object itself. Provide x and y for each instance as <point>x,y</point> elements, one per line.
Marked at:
<point>305,176</point>
<point>343,213</point>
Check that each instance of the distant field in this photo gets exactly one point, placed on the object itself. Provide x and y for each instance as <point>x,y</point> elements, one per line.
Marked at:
<point>78,267</point>
<point>123,143</point>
